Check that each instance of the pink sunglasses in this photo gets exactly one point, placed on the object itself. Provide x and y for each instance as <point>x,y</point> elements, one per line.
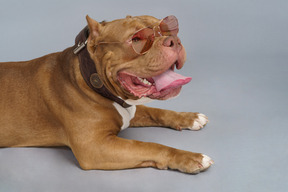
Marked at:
<point>143,39</point>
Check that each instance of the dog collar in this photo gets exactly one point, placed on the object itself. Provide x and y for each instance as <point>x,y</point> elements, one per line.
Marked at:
<point>88,68</point>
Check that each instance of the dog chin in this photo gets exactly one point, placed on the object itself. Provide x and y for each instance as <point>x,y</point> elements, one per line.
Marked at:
<point>145,100</point>
<point>166,94</point>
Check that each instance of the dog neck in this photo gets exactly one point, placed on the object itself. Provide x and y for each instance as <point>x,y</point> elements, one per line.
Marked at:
<point>89,71</point>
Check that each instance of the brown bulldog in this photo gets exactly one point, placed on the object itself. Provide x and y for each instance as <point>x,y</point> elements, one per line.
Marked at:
<point>84,96</point>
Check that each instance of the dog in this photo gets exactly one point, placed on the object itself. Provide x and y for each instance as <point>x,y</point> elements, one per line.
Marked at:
<point>85,95</point>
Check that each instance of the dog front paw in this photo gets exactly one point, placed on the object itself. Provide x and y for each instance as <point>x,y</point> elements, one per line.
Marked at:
<point>199,122</point>
<point>189,162</point>
<point>189,120</point>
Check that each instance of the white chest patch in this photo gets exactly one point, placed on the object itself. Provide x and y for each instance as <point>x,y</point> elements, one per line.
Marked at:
<point>126,113</point>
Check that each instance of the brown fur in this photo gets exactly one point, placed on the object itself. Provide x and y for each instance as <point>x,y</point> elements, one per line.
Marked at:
<point>45,102</point>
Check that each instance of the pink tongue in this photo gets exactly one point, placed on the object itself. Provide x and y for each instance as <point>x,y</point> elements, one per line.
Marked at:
<point>170,79</point>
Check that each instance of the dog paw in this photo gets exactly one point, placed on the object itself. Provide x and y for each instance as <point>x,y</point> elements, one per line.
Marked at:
<point>186,120</point>
<point>206,162</point>
<point>199,122</point>
<point>192,163</point>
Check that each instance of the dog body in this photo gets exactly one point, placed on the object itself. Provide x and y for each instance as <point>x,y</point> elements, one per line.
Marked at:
<point>46,101</point>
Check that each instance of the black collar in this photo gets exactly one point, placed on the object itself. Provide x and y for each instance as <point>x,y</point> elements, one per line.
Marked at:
<point>88,68</point>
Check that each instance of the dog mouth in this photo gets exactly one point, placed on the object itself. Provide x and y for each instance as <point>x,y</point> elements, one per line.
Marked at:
<point>166,85</point>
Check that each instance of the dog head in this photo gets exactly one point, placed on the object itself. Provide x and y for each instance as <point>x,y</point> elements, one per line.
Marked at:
<point>133,74</point>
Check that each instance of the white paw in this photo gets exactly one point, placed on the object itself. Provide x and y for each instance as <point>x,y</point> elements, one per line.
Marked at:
<point>200,122</point>
<point>206,162</point>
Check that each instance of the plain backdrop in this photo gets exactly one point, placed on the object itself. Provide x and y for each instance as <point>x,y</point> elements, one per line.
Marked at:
<point>237,55</point>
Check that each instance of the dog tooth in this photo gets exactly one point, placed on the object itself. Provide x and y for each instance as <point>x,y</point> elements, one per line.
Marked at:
<point>140,79</point>
<point>145,81</point>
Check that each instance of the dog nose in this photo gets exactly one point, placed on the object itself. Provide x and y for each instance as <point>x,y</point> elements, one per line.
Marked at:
<point>173,42</point>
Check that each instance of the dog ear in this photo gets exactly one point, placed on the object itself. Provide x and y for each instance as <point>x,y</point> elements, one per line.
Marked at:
<point>94,27</point>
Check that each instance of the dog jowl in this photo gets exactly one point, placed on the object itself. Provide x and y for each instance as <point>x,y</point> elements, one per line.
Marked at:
<point>84,96</point>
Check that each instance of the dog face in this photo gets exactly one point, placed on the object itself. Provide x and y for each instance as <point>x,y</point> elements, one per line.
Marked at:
<point>129,74</point>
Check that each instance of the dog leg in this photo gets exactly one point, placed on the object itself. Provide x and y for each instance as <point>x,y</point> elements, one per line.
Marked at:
<point>150,117</point>
<point>112,153</point>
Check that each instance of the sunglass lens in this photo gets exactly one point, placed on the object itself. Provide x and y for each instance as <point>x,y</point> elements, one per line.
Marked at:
<point>142,40</point>
<point>169,25</point>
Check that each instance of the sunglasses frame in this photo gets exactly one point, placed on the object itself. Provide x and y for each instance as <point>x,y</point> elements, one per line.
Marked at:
<point>157,32</point>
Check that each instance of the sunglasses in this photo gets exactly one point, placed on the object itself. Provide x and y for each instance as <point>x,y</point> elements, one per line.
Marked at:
<point>143,39</point>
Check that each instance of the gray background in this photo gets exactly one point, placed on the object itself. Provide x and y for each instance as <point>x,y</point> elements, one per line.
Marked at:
<point>237,57</point>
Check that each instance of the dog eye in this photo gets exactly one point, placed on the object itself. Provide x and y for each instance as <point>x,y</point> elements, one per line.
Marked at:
<point>136,39</point>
